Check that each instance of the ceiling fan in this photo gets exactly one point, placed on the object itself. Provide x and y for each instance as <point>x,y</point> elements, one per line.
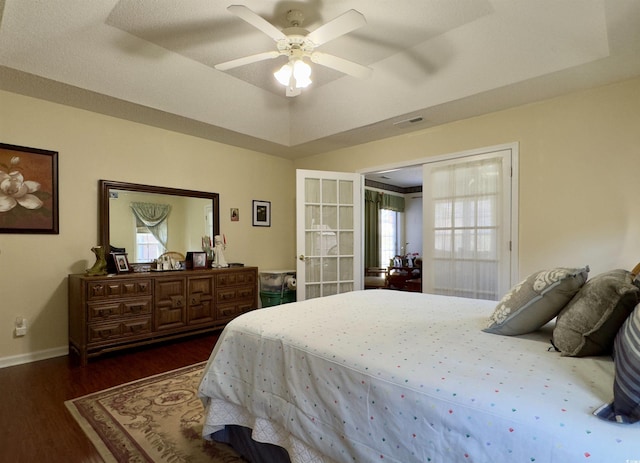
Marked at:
<point>297,44</point>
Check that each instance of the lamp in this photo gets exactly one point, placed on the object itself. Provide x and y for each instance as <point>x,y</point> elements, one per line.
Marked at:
<point>295,74</point>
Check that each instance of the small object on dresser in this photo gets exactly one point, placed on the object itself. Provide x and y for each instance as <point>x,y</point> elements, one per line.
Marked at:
<point>121,262</point>
<point>100,267</point>
<point>220,242</point>
<point>196,260</point>
<point>235,264</point>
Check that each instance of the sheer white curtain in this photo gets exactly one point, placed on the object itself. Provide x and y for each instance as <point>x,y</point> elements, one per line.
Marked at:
<point>466,226</point>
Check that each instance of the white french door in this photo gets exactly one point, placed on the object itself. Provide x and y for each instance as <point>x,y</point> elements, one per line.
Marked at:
<point>328,233</point>
<point>468,225</point>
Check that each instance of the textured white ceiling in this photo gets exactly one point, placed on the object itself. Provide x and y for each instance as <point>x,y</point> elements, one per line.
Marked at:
<point>152,61</point>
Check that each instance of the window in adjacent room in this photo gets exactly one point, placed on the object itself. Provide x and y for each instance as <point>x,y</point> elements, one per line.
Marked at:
<point>389,235</point>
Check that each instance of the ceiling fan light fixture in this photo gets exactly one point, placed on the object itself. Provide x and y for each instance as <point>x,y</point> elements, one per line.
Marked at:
<point>295,74</point>
<point>302,73</point>
<point>284,74</point>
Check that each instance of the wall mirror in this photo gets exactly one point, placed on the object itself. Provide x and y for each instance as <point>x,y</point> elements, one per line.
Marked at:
<point>191,215</point>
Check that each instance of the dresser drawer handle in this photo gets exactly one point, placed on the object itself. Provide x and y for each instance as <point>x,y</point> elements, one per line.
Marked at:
<point>97,290</point>
<point>106,333</point>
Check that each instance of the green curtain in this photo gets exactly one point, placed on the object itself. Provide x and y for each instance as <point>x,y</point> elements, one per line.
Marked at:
<point>372,203</point>
<point>393,203</point>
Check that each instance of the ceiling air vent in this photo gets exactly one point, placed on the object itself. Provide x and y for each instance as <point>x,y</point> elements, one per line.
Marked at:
<point>408,122</point>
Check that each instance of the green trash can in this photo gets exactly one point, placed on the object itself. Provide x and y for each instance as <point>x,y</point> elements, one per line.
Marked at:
<point>269,298</point>
<point>277,287</point>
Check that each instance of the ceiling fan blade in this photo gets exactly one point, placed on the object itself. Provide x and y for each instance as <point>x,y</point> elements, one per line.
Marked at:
<point>234,63</point>
<point>341,25</point>
<point>257,21</point>
<point>342,65</point>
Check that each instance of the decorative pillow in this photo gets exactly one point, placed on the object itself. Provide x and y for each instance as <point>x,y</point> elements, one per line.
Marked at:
<point>536,300</point>
<point>589,323</point>
<point>625,407</point>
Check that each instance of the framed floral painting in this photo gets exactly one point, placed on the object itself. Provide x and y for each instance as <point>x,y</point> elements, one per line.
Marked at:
<point>28,190</point>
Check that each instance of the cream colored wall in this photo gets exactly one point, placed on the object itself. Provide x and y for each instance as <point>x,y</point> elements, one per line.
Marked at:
<point>579,163</point>
<point>33,268</point>
<point>579,170</point>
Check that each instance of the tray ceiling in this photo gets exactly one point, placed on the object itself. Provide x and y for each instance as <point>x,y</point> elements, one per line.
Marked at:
<point>152,61</point>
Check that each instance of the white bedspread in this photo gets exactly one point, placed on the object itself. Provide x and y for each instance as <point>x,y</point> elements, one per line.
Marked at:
<point>407,377</point>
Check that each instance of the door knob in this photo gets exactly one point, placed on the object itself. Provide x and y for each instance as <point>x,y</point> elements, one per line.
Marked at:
<point>301,257</point>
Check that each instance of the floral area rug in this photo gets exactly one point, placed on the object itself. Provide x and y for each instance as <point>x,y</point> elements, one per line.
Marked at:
<point>155,419</point>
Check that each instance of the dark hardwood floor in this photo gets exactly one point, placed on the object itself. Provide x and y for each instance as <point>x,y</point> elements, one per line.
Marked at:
<point>35,425</point>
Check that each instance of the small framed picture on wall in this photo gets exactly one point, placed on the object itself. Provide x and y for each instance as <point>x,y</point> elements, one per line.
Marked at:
<point>261,213</point>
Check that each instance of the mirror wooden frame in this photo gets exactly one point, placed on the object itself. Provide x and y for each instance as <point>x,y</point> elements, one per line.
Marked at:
<point>106,186</point>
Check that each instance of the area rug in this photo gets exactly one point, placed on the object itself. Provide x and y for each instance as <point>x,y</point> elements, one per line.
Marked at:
<point>155,419</point>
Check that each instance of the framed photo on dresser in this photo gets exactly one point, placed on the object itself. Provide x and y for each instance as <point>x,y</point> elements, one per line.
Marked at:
<point>196,260</point>
<point>121,262</point>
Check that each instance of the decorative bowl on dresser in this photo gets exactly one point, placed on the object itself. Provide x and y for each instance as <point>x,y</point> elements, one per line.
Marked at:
<point>113,312</point>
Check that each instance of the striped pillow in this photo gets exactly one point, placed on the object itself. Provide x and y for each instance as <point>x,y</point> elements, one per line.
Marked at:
<point>625,407</point>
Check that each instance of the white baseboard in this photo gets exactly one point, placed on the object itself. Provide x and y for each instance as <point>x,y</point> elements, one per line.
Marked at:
<point>33,356</point>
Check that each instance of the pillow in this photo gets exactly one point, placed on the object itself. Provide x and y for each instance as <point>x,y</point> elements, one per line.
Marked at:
<point>589,323</point>
<point>625,407</point>
<point>535,300</point>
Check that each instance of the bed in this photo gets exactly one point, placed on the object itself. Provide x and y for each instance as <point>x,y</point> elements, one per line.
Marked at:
<point>405,377</point>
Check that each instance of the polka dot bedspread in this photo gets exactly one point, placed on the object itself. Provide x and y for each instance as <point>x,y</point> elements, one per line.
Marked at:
<point>408,377</point>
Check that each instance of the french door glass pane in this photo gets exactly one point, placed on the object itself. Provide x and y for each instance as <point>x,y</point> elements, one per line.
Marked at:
<point>329,240</point>
<point>329,191</point>
<point>312,190</point>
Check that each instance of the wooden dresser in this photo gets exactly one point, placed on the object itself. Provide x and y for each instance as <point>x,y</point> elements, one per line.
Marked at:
<point>113,312</point>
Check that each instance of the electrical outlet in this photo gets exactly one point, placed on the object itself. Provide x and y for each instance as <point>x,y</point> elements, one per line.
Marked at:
<point>21,326</point>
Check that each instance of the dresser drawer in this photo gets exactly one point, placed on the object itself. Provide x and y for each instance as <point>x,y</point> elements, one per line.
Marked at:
<point>136,307</point>
<point>229,311</point>
<point>103,332</point>
<point>246,293</point>
<point>110,289</point>
<point>235,278</point>
<point>230,294</point>
<point>104,311</point>
<point>99,311</point>
<point>226,279</point>
<point>136,326</point>
<point>118,329</point>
